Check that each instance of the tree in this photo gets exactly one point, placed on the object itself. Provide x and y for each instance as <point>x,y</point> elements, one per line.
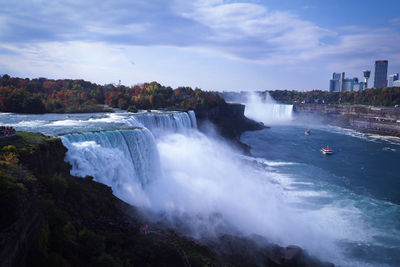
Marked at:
<point>33,105</point>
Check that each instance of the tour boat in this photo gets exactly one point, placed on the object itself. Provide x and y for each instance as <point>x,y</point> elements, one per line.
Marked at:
<point>327,150</point>
<point>307,132</point>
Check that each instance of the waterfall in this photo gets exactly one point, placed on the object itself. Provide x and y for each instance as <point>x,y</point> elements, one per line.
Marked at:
<point>157,122</point>
<point>267,111</point>
<point>126,160</point>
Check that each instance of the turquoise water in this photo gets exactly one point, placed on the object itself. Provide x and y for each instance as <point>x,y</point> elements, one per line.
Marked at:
<point>362,178</point>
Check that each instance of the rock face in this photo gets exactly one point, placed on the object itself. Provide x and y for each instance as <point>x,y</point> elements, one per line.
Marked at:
<point>47,158</point>
<point>230,122</point>
<point>20,227</point>
<point>378,120</point>
<point>229,119</point>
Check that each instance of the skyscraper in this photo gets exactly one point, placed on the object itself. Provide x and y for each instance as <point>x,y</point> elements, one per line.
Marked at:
<point>381,68</point>
<point>335,85</point>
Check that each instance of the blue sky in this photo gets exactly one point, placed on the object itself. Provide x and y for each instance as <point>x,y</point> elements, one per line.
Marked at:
<point>211,44</point>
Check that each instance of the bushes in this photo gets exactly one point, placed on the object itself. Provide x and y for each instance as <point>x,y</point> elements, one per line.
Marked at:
<point>132,109</point>
<point>58,186</point>
<point>91,243</point>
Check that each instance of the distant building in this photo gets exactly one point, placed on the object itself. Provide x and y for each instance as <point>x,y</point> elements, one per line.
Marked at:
<point>336,84</point>
<point>381,68</point>
<point>392,79</point>
<point>396,83</point>
<point>347,85</point>
<point>340,84</point>
<point>359,86</point>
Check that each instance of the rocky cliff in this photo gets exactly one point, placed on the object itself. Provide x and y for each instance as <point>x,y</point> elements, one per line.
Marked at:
<point>230,122</point>
<point>377,120</point>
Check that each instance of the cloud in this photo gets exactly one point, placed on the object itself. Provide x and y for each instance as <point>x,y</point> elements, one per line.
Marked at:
<point>395,21</point>
<point>243,31</point>
<point>250,31</point>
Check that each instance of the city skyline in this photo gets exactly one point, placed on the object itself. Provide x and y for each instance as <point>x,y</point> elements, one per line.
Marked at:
<point>214,44</point>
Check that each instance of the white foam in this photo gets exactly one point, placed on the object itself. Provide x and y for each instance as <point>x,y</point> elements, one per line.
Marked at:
<point>27,124</point>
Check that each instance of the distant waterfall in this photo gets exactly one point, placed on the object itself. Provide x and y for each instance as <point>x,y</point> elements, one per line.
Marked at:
<point>267,111</point>
<point>127,160</point>
<point>158,122</point>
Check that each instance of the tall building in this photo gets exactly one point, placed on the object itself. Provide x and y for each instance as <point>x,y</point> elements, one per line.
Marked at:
<point>336,84</point>
<point>381,68</point>
<point>392,79</point>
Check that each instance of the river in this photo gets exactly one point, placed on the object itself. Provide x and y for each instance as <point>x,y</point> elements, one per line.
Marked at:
<point>342,208</point>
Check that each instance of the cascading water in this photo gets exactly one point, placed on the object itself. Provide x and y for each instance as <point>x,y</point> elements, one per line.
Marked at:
<point>165,122</point>
<point>193,120</point>
<point>267,111</point>
<point>127,160</point>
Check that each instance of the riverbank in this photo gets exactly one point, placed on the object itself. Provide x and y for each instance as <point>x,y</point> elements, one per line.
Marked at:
<point>368,119</point>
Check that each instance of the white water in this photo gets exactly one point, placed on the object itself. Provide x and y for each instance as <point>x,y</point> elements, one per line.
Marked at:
<point>127,160</point>
<point>267,111</point>
<point>161,123</point>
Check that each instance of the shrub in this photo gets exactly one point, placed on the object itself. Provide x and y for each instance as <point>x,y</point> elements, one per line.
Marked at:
<point>92,243</point>
<point>58,186</point>
<point>132,109</point>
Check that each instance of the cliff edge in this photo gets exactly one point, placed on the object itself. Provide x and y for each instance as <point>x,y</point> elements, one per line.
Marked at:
<point>230,122</point>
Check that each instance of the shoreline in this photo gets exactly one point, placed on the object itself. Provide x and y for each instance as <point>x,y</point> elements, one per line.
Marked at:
<point>384,121</point>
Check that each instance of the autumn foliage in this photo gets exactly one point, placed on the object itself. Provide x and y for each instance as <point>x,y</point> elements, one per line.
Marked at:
<point>61,96</point>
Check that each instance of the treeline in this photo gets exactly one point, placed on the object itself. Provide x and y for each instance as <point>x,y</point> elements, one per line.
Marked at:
<point>155,95</point>
<point>70,96</point>
<point>376,97</point>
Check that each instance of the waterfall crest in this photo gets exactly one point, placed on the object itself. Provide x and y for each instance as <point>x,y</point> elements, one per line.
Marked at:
<point>157,122</point>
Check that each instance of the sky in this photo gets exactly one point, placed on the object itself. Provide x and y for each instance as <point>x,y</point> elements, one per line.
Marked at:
<point>215,45</point>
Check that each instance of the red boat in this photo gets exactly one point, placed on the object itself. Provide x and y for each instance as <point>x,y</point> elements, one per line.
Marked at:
<point>327,150</point>
<point>307,132</point>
